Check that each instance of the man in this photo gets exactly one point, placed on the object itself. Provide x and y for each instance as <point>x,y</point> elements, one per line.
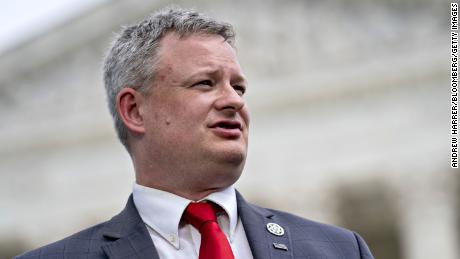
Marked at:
<point>176,93</point>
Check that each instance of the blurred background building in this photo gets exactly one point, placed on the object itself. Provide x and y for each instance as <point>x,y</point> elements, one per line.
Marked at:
<point>350,121</point>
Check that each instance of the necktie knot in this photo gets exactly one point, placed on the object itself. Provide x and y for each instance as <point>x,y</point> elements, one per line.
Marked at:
<point>198,213</point>
<point>214,243</point>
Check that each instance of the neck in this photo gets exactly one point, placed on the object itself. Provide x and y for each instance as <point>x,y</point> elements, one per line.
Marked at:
<point>193,180</point>
<point>194,195</point>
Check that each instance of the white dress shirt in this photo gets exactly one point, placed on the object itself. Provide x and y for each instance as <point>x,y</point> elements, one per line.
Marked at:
<point>162,212</point>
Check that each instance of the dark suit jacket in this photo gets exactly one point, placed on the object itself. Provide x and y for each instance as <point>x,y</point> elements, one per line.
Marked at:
<point>126,236</point>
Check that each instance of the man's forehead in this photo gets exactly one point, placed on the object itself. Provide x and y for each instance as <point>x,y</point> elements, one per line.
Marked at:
<point>200,50</point>
<point>175,44</point>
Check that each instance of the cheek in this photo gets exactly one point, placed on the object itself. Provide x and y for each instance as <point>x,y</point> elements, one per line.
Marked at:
<point>161,117</point>
<point>168,124</point>
<point>245,115</point>
<point>182,115</point>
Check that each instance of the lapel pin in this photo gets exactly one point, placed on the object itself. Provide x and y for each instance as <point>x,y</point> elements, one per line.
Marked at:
<point>280,246</point>
<point>275,229</point>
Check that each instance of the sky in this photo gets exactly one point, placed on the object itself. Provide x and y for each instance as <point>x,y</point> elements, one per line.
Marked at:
<point>22,19</point>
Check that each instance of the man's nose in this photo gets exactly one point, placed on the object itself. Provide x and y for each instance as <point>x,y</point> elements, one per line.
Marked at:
<point>229,98</point>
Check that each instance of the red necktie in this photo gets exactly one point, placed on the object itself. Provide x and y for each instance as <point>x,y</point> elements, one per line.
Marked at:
<point>214,243</point>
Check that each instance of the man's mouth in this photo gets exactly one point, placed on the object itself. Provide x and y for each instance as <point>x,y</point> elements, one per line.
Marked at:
<point>227,124</point>
<point>227,128</point>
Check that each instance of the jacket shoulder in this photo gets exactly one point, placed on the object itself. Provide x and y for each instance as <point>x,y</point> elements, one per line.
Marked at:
<point>323,236</point>
<point>89,243</point>
<point>85,243</point>
<point>299,225</point>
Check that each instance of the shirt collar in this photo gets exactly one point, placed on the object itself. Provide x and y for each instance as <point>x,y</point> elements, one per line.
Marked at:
<point>162,211</point>
<point>226,199</point>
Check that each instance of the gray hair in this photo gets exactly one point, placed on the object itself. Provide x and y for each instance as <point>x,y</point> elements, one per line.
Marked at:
<point>132,58</point>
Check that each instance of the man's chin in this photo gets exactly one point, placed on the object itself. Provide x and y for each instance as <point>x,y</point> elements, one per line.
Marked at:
<point>234,158</point>
<point>233,155</point>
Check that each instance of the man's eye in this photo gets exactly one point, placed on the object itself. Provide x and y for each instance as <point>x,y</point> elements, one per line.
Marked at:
<point>239,89</point>
<point>204,83</point>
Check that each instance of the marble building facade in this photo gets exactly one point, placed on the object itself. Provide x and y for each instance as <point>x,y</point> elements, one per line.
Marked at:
<point>349,125</point>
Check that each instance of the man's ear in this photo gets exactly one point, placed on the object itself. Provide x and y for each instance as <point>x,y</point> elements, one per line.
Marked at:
<point>129,109</point>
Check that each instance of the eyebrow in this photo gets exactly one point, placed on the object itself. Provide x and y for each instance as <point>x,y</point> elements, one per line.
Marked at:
<point>212,71</point>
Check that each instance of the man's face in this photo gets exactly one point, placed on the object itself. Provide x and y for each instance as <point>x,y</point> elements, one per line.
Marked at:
<point>195,114</point>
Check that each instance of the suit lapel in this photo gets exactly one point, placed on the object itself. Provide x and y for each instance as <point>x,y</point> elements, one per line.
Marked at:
<point>128,236</point>
<point>263,244</point>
